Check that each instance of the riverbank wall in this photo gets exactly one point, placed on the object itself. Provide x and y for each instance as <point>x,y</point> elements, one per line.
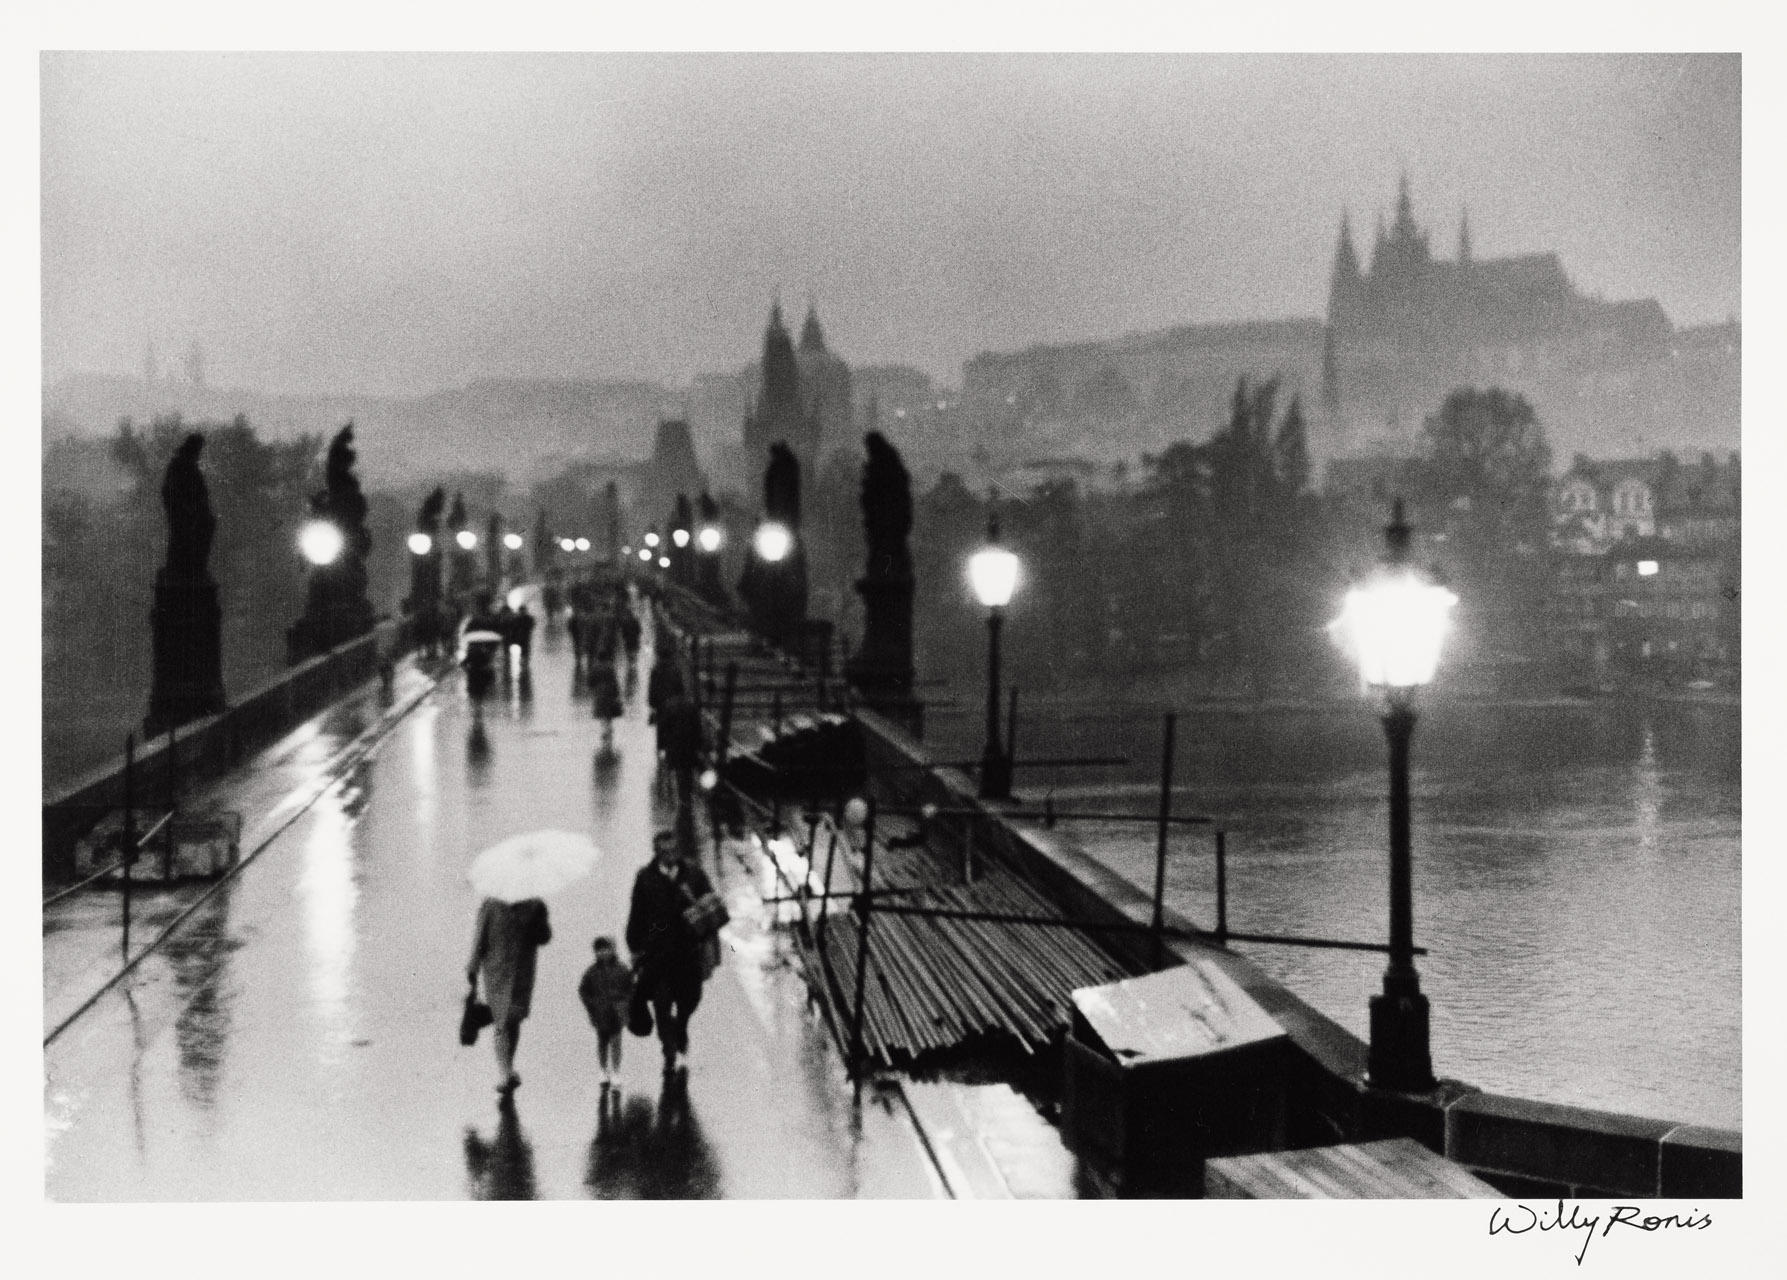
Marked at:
<point>1521,1146</point>
<point>207,747</point>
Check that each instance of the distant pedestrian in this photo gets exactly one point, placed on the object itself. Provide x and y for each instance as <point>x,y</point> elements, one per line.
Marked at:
<point>507,936</point>
<point>631,633</point>
<point>673,933</point>
<point>524,635</point>
<point>606,988</point>
<point>576,623</point>
<point>665,683</point>
<point>605,699</point>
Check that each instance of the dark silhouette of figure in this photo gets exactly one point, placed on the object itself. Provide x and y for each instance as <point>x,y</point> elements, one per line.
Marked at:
<point>187,502</point>
<point>882,668</point>
<point>682,559</point>
<point>337,609</point>
<point>775,593</point>
<point>425,576</point>
<point>186,621</point>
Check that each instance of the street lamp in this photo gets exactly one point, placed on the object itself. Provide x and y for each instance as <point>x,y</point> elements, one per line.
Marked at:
<point>773,541</point>
<point>663,562</point>
<point>1393,626</point>
<point>680,537</point>
<point>709,538</point>
<point>320,541</point>
<point>993,572</point>
<point>582,544</point>
<point>420,544</point>
<point>466,539</point>
<point>512,541</point>
<point>651,538</point>
<point>567,545</point>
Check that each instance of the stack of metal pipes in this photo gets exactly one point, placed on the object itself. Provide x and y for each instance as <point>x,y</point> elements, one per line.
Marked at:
<point>937,983</point>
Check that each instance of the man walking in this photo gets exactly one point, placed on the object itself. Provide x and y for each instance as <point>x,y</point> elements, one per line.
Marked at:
<point>671,953</point>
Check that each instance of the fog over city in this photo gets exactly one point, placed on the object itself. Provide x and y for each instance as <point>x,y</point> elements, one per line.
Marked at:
<point>1045,490</point>
<point>391,224</point>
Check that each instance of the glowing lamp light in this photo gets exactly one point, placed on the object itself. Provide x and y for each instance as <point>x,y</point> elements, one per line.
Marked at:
<point>1393,627</point>
<point>320,541</point>
<point>512,541</point>
<point>583,544</point>
<point>1647,568</point>
<point>626,553</point>
<point>993,573</point>
<point>663,562</point>
<point>773,542</point>
<point>645,554</point>
<point>680,537</point>
<point>421,544</point>
<point>567,544</point>
<point>708,780</point>
<point>709,538</point>
<point>856,812</point>
<point>466,539</point>
<point>651,538</point>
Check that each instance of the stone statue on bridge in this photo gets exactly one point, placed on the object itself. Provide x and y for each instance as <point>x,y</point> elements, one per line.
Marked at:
<point>186,621</point>
<point>882,667</point>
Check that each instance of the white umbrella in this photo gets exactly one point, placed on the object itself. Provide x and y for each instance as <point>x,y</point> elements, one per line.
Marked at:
<point>532,865</point>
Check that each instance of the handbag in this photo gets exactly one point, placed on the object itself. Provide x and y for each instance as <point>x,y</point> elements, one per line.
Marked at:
<point>639,1010</point>
<point>474,1018</point>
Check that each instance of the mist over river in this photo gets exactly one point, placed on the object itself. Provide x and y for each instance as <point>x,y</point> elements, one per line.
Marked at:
<point>1576,874</point>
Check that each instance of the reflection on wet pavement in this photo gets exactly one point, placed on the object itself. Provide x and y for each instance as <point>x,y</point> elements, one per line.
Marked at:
<point>296,1040</point>
<point>502,1167</point>
<point>644,1153</point>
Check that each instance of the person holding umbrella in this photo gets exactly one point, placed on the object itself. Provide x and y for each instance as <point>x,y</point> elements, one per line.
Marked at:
<point>514,877</point>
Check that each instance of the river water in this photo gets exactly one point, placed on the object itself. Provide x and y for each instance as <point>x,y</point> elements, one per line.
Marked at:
<point>1576,875</point>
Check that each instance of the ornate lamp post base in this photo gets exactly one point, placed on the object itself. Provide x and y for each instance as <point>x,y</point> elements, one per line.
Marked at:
<point>1399,1057</point>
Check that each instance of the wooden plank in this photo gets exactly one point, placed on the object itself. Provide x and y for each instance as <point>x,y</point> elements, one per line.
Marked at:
<point>1391,1168</point>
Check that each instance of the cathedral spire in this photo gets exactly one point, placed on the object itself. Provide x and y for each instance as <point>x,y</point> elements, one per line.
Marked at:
<point>781,379</point>
<point>1405,209</point>
<point>812,337</point>
<point>1346,261</point>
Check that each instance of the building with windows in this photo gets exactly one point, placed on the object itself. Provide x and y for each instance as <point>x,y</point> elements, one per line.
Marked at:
<point>1646,558</point>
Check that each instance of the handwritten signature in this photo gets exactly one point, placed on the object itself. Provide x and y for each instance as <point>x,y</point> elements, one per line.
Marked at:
<point>1517,1220</point>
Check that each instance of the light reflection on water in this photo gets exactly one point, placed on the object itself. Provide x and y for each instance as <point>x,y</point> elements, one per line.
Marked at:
<point>1577,881</point>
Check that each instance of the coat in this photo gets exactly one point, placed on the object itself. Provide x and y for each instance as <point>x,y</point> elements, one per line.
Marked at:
<point>656,931</point>
<point>503,947</point>
<point>605,990</point>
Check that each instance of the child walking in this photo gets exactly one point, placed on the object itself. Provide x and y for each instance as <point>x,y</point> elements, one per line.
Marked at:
<point>606,987</point>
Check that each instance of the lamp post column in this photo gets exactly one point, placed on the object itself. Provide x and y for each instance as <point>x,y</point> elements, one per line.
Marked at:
<point>995,766</point>
<point>1400,1055</point>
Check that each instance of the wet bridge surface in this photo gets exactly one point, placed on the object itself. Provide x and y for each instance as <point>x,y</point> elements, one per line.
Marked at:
<point>297,1037</point>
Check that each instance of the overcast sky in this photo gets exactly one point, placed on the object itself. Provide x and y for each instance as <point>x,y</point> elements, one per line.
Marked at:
<point>398,223</point>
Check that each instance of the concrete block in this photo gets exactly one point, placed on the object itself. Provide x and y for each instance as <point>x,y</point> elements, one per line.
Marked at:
<point>1701,1162</point>
<point>1597,1151</point>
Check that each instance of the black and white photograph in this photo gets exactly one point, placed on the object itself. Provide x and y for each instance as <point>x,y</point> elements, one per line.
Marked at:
<point>897,626</point>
